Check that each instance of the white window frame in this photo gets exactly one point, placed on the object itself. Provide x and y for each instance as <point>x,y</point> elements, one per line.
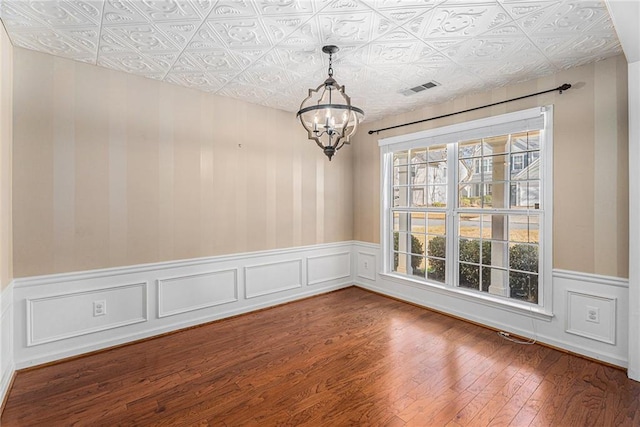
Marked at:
<point>519,121</point>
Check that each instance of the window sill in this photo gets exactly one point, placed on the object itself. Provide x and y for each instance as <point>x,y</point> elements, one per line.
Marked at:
<point>516,307</point>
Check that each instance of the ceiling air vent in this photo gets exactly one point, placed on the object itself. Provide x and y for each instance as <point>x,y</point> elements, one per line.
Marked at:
<point>420,88</point>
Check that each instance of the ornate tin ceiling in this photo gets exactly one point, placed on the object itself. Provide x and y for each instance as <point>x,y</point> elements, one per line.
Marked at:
<point>269,51</point>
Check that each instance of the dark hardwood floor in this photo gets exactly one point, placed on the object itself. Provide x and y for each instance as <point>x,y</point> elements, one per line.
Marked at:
<point>346,358</point>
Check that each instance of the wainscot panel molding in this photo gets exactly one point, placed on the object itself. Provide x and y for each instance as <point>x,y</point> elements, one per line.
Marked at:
<point>7,365</point>
<point>55,317</point>
<point>575,296</point>
<point>325,268</point>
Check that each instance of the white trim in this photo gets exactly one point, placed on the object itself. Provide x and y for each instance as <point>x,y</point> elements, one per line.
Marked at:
<point>273,290</point>
<point>330,278</point>
<point>77,283</point>
<point>161,283</point>
<point>30,321</point>
<point>152,267</point>
<point>570,328</point>
<point>591,278</point>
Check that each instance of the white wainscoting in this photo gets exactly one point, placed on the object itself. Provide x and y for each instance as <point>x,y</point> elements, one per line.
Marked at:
<point>574,294</point>
<point>7,366</point>
<point>54,318</point>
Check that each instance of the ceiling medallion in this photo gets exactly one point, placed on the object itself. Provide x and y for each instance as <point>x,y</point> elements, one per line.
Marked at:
<point>327,114</point>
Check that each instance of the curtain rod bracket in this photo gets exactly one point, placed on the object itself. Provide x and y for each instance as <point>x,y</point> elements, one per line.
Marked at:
<point>561,88</point>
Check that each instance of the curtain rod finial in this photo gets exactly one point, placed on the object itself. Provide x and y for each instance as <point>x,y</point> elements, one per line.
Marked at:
<point>565,86</point>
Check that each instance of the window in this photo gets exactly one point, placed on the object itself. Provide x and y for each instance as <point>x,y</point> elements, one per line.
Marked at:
<point>470,206</point>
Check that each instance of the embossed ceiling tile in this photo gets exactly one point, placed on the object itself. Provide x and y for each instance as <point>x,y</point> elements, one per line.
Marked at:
<point>232,9</point>
<point>273,79</point>
<point>87,37</point>
<point>464,20</point>
<point>279,27</point>
<point>169,10</point>
<point>301,59</point>
<point>289,7</point>
<point>117,12</point>
<point>397,34</point>
<point>260,56</point>
<point>218,60</point>
<point>339,6</point>
<point>57,13</point>
<point>572,17</point>
<point>14,18</point>
<point>306,34</point>
<point>186,64</point>
<point>205,39</point>
<point>52,42</point>
<point>549,45</point>
<point>133,63</point>
<point>110,43</point>
<point>401,11</point>
<point>200,81</point>
<point>420,73</point>
<point>510,29</point>
<point>593,45</point>
<point>393,53</point>
<point>484,49</point>
<point>242,32</point>
<point>529,12</point>
<point>143,38</point>
<point>180,33</point>
<point>348,28</point>
<point>565,63</point>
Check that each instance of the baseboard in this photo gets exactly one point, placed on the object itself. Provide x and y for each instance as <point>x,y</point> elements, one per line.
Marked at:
<point>7,365</point>
<point>55,315</point>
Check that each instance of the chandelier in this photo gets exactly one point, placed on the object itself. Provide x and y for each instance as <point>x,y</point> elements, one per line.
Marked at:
<point>327,114</point>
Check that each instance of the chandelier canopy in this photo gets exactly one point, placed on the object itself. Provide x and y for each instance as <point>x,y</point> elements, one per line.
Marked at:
<point>327,114</point>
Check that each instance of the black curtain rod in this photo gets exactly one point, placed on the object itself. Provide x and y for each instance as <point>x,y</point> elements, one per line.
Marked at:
<point>565,86</point>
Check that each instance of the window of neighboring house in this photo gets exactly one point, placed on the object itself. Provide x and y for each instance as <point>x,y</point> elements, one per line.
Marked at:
<point>471,206</point>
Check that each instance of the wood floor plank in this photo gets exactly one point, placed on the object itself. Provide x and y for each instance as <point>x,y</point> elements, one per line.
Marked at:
<point>345,358</point>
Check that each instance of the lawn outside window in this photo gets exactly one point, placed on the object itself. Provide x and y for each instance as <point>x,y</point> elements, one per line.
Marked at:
<point>468,207</point>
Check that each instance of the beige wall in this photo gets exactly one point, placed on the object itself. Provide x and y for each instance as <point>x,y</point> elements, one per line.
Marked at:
<point>6,141</point>
<point>590,162</point>
<point>112,169</point>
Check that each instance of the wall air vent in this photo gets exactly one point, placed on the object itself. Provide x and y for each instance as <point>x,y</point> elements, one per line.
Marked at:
<point>420,88</point>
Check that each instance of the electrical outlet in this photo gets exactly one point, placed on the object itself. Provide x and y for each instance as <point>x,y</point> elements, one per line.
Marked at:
<point>593,314</point>
<point>99,308</point>
<point>366,265</point>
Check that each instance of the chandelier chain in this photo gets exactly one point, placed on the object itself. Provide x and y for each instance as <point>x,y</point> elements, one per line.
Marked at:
<point>330,65</point>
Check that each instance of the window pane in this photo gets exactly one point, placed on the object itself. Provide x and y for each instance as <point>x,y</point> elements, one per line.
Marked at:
<point>437,153</point>
<point>524,228</point>
<point>437,173</point>
<point>469,195</point>
<point>400,262</point>
<point>436,269</point>
<point>524,286</point>
<point>469,170</point>
<point>494,168</point>
<point>495,277</point>
<point>400,158</point>
<point>494,195</point>
<point>400,221</point>
<point>525,166</point>
<point>494,227</point>
<point>436,223</point>
<point>419,174</point>
<point>400,175</point>
<point>418,222</point>
<point>525,195</point>
<point>437,247</point>
<point>417,244</point>
<point>495,145</point>
<point>469,225</point>
<point>470,149</point>
<point>525,141</point>
<point>469,276</point>
<point>437,196</point>
<point>400,196</point>
<point>523,257</point>
<point>418,266</point>
<point>418,196</point>
<point>419,155</point>
<point>469,250</point>
<point>498,254</point>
